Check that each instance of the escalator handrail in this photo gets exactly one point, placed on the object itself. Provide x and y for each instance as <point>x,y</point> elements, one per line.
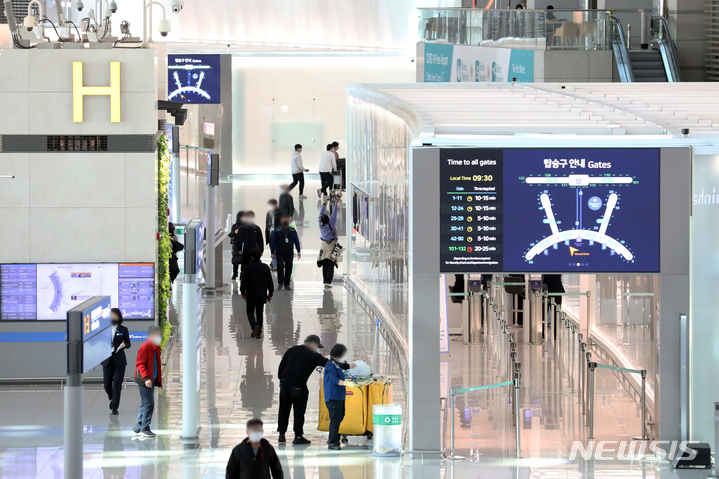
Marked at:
<point>619,42</point>
<point>665,41</point>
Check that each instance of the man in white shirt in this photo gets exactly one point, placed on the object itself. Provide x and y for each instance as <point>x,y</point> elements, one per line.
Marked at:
<point>298,171</point>
<point>328,164</point>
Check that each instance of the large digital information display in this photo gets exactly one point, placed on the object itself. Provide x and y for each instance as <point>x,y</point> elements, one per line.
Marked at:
<point>549,210</point>
<point>47,291</point>
<point>193,78</point>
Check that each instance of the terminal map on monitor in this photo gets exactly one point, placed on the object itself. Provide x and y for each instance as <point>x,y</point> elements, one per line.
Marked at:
<point>47,291</point>
<point>549,210</point>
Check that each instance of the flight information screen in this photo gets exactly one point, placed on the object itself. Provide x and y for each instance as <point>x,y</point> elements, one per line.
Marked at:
<point>47,291</point>
<point>193,78</point>
<point>549,210</point>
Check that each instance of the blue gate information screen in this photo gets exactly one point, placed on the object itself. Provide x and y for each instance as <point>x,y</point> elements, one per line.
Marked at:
<point>193,78</point>
<point>549,210</point>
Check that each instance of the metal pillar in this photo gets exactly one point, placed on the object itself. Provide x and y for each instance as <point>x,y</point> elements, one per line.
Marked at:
<point>73,426</point>
<point>453,410</point>
<point>210,223</point>
<point>517,426</point>
<point>190,403</point>
<point>590,413</point>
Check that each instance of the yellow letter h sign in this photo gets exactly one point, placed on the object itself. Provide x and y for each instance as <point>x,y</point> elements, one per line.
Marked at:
<point>79,91</point>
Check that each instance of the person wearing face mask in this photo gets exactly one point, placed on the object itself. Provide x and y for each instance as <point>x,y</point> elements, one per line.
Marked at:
<point>248,237</point>
<point>113,368</point>
<point>270,224</point>
<point>335,393</point>
<point>282,245</point>
<point>148,376</point>
<point>297,365</point>
<point>254,458</point>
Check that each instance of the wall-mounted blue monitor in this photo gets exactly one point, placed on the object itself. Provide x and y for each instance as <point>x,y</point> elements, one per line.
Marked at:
<point>47,291</point>
<point>193,78</point>
<point>89,334</point>
<point>549,210</point>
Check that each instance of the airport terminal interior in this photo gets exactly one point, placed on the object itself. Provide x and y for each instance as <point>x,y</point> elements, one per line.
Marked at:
<point>359,239</point>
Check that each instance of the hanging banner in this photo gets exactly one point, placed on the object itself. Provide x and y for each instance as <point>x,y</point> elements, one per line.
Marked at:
<point>462,63</point>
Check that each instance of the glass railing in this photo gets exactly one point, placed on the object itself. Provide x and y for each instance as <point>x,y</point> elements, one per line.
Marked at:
<point>521,29</point>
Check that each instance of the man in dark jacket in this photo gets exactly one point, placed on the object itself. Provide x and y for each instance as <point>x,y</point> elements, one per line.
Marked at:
<point>248,237</point>
<point>270,224</point>
<point>287,204</point>
<point>256,288</point>
<point>254,458</point>
<point>296,367</point>
<point>282,246</point>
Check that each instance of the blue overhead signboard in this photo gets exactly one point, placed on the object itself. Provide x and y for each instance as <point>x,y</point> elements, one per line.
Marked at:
<point>193,78</point>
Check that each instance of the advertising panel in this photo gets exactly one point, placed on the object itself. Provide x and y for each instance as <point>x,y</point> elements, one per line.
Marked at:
<point>463,63</point>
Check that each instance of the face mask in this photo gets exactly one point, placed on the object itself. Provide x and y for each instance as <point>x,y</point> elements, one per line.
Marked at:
<point>270,208</point>
<point>343,359</point>
<point>156,340</point>
<point>256,436</point>
<point>285,225</point>
<point>250,220</point>
<point>115,322</point>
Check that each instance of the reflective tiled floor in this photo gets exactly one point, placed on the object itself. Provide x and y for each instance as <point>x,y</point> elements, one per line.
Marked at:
<point>240,381</point>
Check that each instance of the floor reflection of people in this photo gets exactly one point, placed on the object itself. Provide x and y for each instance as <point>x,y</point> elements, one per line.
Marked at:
<point>283,331</point>
<point>257,388</point>
<point>328,315</point>
<point>113,451</point>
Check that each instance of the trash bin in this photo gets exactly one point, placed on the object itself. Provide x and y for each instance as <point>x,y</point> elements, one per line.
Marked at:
<point>387,421</point>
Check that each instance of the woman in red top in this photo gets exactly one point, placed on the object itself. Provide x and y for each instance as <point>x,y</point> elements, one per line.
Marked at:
<point>148,374</point>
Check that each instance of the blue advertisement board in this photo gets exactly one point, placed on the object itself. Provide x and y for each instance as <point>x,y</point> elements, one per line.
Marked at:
<point>437,62</point>
<point>193,78</point>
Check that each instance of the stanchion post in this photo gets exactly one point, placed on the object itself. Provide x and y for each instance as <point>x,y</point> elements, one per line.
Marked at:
<point>592,367</point>
<point>452,398</point>
<point>586,393</point>
<point>516,413</point>
<point>644,404</point>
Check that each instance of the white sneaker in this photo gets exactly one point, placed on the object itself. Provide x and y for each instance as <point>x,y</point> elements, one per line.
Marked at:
<point>319,192</point>
<point>328,286</point>
<point>302,197</point>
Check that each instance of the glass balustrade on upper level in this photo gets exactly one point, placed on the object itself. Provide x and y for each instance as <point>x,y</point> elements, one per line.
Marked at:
<point>521,29</point>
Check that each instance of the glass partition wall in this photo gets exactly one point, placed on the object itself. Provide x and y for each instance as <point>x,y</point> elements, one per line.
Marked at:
<point>378,197</point>
<point>523,29</point>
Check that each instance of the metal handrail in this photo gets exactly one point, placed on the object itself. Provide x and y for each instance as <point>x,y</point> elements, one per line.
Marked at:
<point>621,51</point>
<point>660,32</point>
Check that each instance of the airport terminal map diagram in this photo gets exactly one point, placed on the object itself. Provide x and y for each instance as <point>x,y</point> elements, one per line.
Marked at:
<point>549,210</point>
<point>582,210</point>
<point>61,287</point>
<point>194,78</point>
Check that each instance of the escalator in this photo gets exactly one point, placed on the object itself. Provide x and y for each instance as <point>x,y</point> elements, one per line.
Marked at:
<point>657,64</point>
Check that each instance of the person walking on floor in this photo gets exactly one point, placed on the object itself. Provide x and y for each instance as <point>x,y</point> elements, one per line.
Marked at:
<point>113,368</point>
<point>256,288</point>
<point>282,246</point>
<point>297,365</point>
<point>148,376</point>
<point>328,164</point>
<point>234,231</point>
<point>270,225</point>
<point>298,171</point>
<point>287,204</point>
<point>330,248</point>
<point>254,458</point>
<point>248,237</point>
<point>335,394</point>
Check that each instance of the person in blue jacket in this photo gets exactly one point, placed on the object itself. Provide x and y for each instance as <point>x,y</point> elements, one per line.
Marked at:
<point>283,242</point>
<point>335,392</point>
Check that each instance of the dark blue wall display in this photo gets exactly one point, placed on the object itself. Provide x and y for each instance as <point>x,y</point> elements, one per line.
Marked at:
<point>550,210</point>
<point>193,78</point>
